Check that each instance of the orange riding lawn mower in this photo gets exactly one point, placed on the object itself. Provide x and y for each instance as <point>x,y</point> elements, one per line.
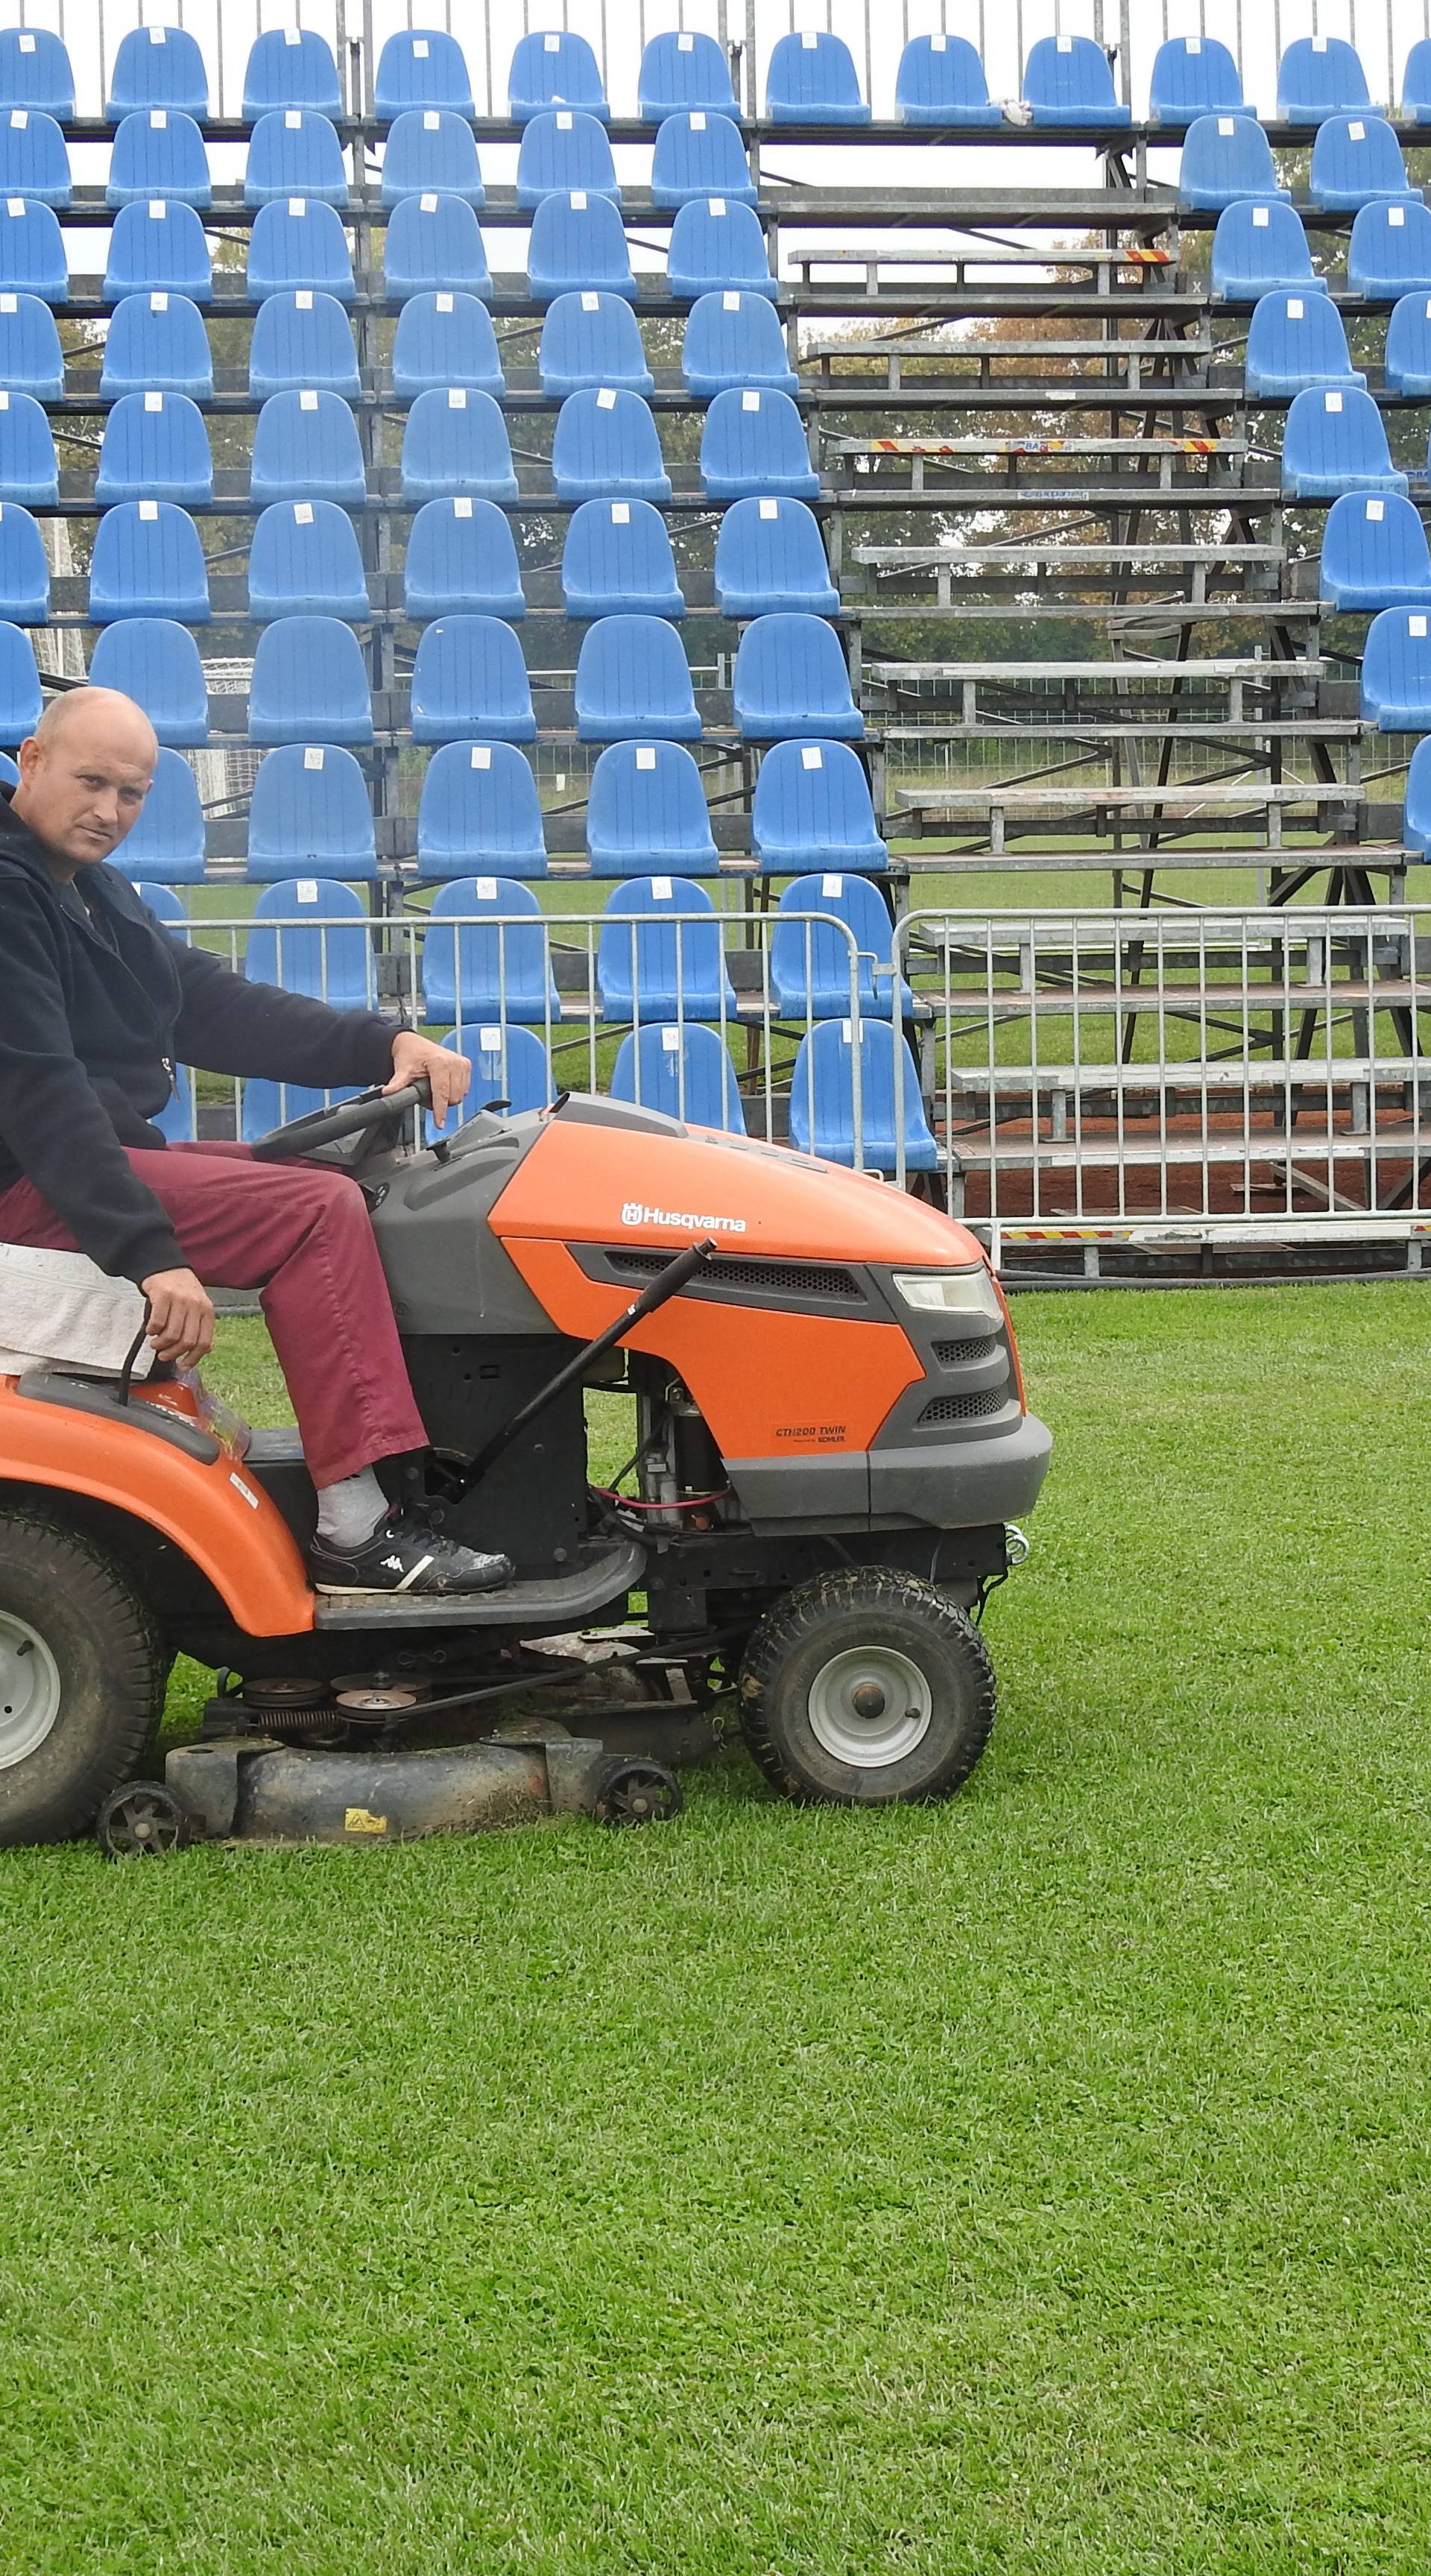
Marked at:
<point>830,1454</point>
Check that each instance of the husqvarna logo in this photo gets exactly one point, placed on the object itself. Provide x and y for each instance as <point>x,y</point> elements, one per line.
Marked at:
<point>636,1212</point>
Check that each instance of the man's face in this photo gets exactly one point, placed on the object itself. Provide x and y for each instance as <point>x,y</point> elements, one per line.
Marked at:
<point>81,793</point>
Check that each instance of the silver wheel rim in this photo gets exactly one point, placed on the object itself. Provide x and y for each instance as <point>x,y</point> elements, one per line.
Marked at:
<point>29,1690</point>
<point>870,1707</point>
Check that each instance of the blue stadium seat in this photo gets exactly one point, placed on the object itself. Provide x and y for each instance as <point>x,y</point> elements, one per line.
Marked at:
<point>310,936</point>
<point>431,148</point>
<point>508,1064</point>
<point>633,679</point>
<point>618,557</point>
<point>1355,160</point>
<point>1294,341</point>
<point>461,554</point>
<point>303,341</point>
<point>716,243</point>
<point>1416,84</point>
<point>445,340</point>
<point>1068,80</point>
<point>1194,76</point>
<point>578,241</point>
<point>422,67</point>
<point>1389,253</point>
<point>734,341</point>
<point>652,965</point>
<point>305,561</point>
<point>290,67</point>
<point>1374,553</point>
<point>822,1099</point>
<point>158,153</point>
<point>1416,820</point>
<point>434,246</point>
<point>156,343</point>
<point>165,905</point>
<point>1225,160</point>
<point>310,684</point>
<point>812,808</point>
<point>31,359</point>
<point>592,339</point>
<point>156,663</point>
<point>562,149</point>
<point>1396,671</point>
<point>470,684</point>
<point>754,441</point>
<point>33,159</point>
<point>555,69</point>
<point>157,248</point>
<point>606,447</point>
<point>28,470</point>
<point>32,250</point>
<point>20,697</point>
<point>684,1072</point>
<point>298,241</point>
<point>700,155</point>
<point>814,974</point>
<point>9,774</point>
<point>1408,347</point>
<point>456,442</point>
<point>681,70</point>
<point>155,447</point>
<point>480,813</point>
<point>1257,248</point>
<point>310,815</point>
<point>494,966</point>
<point>166,845</point>
<point>35,71</point>
<point>148,562</point>
<point>1320,76</point>
<point>24,573</point>
<point>306,448</point>
<point>646,812</point>
<point>941,82</point>
<point>790,679</point>
<point>295,152</point>
<point>811,80</point>
<point>267,1105</point>
<point>1335,441</point>
<point>157,67</point>
<point>770,555</point>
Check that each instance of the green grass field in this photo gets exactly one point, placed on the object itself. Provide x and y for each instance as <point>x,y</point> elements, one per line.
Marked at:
<point>1035,2186</point>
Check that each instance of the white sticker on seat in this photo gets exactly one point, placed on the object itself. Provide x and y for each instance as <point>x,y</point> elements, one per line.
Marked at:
<point>1356,131</point>
<point>27,44</point>
<point>670,1040</point>
<point>685,44</point>
<point>462,507</point>
<point>153,402</point>
<point>428,204</point>
<point>1396,216</point>
<point>1261,217</point>
<point>661,886</point>
<point>298,205</point>
<point>715,205</point>
<point>750,402</point>
<point>939,44</point>
<point>1192,44</point>
<point>4,401</point>
<point>590,300</point>
<point>19,119</point>
<point>730,299</point>
<point>159,300</point>
<point>698,120</point>
<point>293,35</point>
<point>621,514</point>
<point>9,304</point>
<point>308,401</point>
<point>770,509</point>
<point>1065,44</point>
<point>457,397</point>
<point>811,756</point>
<point>312,758</point>
<point>1376,510</point>
<point>809,40</point>
<point>307,889</point>
<point>15,206</point>
<point>420,49</point>
<point>430,120</point>
<point>157,210</point>
<point>551,45</point>
<point>489,1039</point>
<point>563,120</point>
<point>149,509</point>
<point>303,514</point>
<point>1319,44</point>
<point>303,299</point>
<point>481,756</point>
<point>1332,402</point>
<point>845,1031</point>
<point>158,119</point>
<point>577,201</point>
<point>606,399</point>
<point>833,887</point>
<point>1416,626</point>
<point>157,35</point>
<point>645,757</point>
<point>1227,125</point>
<point>444,303</point>
<point>1296,309</point>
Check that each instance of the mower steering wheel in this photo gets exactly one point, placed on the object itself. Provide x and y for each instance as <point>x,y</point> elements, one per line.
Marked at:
<point>347,1118</point>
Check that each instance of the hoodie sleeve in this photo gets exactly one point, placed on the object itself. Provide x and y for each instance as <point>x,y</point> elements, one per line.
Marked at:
<point>228,1025</point>
<point>52,1118</point>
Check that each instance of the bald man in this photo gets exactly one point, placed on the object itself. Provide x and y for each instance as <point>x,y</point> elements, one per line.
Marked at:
<point>99,1004</point>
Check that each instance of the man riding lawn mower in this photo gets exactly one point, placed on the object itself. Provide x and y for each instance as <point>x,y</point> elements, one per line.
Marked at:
<point>830,1443</point>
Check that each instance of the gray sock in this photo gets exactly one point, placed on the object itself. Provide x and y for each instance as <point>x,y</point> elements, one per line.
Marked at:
<point>350,1511</point>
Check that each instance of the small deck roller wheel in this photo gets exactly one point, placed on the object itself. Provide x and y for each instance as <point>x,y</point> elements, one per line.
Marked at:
<point>866,1687</point>
<point>142,1821</point>
<point>637,1793</point>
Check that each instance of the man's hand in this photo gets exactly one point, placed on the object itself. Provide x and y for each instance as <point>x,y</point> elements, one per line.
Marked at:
<point>448,1074</point>
<point>181,1316</point>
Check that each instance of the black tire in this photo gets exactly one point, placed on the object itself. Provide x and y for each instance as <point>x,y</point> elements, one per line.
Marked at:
<point>105,1662</point>
<point>891,1637</point>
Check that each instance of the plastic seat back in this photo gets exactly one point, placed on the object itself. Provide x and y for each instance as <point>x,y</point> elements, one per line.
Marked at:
<point>1335,441</point>
<point>816,973</point>
<point>35,71</point>
<point>480,813</point>
<point>155,447</point>
<point>310,815</point>
<point>299,241</point>
<point>28,469</point>
<point>157,67</point>
<point>1226,160</point>
<point>577,241</point>
<point>422,67</point>
<point>565,148</point>
<point>941,82</point>
<point>166,845</point>
<point>1416,820</point>
<point>684,1072</point>
<point>166,906</point>
<point>754,441</point>
<point>718,243</point>
<point>290,67</point>
<point>1296,341</point>
<point>306,448</point>
<point>825,1117</point>
<point>811,80</point>
<point>1389,253</point>
<point>303,341</point>
<point>470,684</point>
<point>1408,347</point>
<point>589,338</point>
<point>148,562</point>
<point>456,442</point>
<point>434,247</point>
<point>494,966</point>
<point>633,679</point>
<point>1068,80</point>
<point>20,697</point>
<point>1416,84</point>
<point>1374,553</point>
<point>509,1064</point>
<point>653,964</point>
<point>555,69</point>
<point>770,556</point>
<point>445,340</point>
<point>617,556</point>
<point>310,684</point>
<point>812,807</point>
<point>461,555</point>
<point>606,446</point>
<point>156,662</point>
<point>305,561</point>
<point>31,358</point>
<point>32,250</point>
<point>1259,247</point>
<point>158,153</point>
<point>431,148</point>
<point>156,343</point>
<point>158,248</point>
<point>295,152</point>
<point>1356,159</point>
<point>310,936</point>
<point>1396,671</point>
<point>646,810</point>
<point>791,678</point>
<point>1320,76</point>
<point>700,155</point>
<point>1194,76</point>
<point>33,159</point>
<point>24,572</point>
<point>682,70</point>
<point>733,341</point>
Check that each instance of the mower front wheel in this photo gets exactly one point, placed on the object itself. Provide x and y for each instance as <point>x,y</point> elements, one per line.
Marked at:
<point>866,1687</point>
<point>80,1675</point>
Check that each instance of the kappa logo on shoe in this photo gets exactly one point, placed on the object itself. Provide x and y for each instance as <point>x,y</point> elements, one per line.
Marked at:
<point>393,1564</point>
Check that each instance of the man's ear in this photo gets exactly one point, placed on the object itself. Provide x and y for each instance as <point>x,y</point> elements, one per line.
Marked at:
<point>28,758</point>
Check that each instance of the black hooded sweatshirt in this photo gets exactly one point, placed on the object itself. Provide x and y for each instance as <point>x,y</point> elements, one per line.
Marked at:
<point>97,1004</point>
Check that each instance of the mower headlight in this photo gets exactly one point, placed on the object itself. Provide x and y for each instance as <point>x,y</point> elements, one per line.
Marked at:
<point>968,1293</point>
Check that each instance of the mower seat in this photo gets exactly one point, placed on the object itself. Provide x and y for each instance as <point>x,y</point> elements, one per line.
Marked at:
<point>59,1308</point>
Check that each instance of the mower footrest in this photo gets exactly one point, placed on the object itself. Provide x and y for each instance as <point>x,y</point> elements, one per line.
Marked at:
<point>602,1575</point>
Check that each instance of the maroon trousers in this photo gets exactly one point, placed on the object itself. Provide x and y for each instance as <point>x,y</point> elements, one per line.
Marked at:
<point>301,1236</point>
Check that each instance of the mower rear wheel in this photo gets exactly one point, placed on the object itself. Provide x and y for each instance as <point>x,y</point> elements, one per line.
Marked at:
<point>866,1687</point>
<point>81,1670</point>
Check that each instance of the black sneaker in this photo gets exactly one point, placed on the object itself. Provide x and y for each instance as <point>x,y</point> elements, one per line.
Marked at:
<point>406,1554</point>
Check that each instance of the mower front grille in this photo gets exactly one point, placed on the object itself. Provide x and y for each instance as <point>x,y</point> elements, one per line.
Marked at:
<point>965,1408</point>
<point>780,1278</point>
<point>951,1354</point>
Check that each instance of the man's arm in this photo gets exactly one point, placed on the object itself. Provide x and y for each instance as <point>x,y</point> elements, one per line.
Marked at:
<point>228,1025</point>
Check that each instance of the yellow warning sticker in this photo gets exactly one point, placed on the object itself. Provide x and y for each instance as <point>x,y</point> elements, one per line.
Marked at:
<point>361,1820</point>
